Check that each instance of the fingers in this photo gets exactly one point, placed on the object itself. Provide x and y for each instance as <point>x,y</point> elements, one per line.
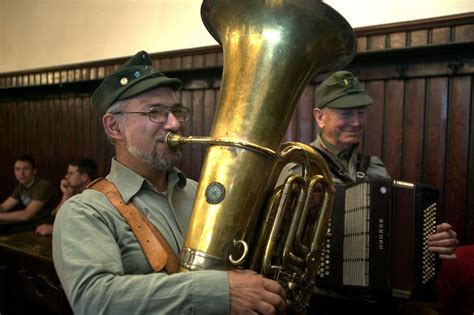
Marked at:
<point>274,287</point>
<point>251,293</point>
<point>448,257</point>
<point>273,297</point>
<point>442,235</point>
<point>443,242</point>
<point>443,227</point>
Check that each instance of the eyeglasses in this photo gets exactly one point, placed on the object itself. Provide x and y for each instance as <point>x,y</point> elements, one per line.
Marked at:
<point>159,114</point>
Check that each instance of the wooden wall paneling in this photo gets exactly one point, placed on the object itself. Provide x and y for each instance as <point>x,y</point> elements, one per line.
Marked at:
<point>56,114</point>
<point>41,138</point>
<point>210,60</point>
<point>198,60</point>
<point>209,110</point>
<point>413,136</point>
<point>398,40</point>
<point>463,33</point>
<point>373,141</point>
<point>50,151</point>
<point>440,35</point>
<point>68,132</point>
<point>78,130</point>
<point>165,64</point>
<point>27,127</point>
<point>63,76</point>
<point>13,110</point>
<point>175,62</point>
<point>98,140</point>
<point>3,132</point>
<point>50,77</point>
<point>469,237</point>
<point>16,108</point>
<point>30,128</point>
<point>198,129</point>
<point>6,169</point>
<point>85,128</point>
<point>361,44</point>
<point>418,38</point>
<point>220,59</point>
<point>57,137</point>
<point>94,136</point>
<point>187,62</point>
<point>305,118</point>
<point>103,148</point>
<point>377,42</point>
<point>291,133</point>
<point>457,153</point>
<point>435,136</point>
<point>44,78</point>
<point>185,97</point>
<point>393,128</point>
<point>85,74</point>
<point>77,75</point>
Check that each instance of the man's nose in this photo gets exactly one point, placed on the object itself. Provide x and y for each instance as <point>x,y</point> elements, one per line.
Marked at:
<point>172,123</point>
<point>355,119</point>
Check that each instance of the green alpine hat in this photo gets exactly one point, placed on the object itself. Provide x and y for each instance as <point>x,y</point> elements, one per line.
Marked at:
<point>135,77</point>
<point>341,90</point>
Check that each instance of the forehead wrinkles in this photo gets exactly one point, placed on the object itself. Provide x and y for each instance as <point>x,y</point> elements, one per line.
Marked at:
<point>164,96</point>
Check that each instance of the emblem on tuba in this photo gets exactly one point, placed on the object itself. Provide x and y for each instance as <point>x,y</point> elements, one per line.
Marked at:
<point>272,49</point>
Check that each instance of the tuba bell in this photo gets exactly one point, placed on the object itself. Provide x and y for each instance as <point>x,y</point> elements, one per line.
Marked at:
<point>271,49</point>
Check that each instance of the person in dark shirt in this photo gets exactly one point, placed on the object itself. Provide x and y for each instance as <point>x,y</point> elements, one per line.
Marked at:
<point>38,196</point>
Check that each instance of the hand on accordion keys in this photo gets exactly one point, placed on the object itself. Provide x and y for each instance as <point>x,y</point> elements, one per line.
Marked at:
<point>443,242</point>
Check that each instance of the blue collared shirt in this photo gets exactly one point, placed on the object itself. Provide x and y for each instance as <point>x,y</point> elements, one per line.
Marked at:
<point>102,267</point>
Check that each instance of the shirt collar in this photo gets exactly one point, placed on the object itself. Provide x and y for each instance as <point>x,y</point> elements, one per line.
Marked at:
<point>129,183</point>
<point>341,154</point>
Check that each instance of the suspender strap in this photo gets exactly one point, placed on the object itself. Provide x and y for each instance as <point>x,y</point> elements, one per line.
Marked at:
<point>156,248</point>
<point>363,162</point>
<point>335,167</point>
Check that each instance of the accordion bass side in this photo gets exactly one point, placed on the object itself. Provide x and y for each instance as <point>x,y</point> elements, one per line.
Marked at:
<point>378,243</point>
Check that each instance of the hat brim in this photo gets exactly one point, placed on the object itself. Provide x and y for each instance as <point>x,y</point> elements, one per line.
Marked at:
<point>148,84</point>
<point>351,100</point>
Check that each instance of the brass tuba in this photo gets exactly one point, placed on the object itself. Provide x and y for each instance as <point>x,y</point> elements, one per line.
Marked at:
<point>272,49</point>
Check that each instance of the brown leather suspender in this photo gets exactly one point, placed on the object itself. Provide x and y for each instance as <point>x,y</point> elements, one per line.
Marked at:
<point>157,250</point>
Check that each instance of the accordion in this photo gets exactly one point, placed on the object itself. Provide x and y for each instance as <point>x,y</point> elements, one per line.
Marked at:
<point>378,243</point>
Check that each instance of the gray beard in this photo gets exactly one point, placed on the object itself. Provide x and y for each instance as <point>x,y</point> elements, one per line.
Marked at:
<point>151,158</point>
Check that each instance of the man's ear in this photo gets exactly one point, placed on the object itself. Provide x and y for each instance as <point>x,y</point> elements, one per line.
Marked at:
<point>318,115</point>
<point>85,177</point>
<point>112,126</point>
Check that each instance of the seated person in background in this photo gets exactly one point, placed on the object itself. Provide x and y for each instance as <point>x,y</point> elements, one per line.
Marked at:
<point>38,196</point>
<point>455,283</point>
<point>79,174</point>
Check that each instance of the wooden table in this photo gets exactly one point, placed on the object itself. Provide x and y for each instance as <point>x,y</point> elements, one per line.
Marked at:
<point>28,280</point>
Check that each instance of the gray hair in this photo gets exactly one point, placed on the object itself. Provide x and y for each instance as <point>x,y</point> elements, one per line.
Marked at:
<point>116,107</point>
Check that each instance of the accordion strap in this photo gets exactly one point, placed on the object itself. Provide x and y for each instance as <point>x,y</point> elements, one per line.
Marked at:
<point>338,170</point>
<point>156,249</point>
